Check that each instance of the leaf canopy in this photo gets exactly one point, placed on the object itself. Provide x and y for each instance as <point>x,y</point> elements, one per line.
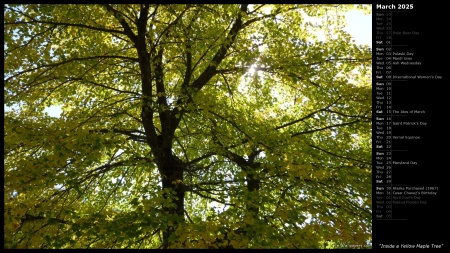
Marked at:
<point>185,126</point>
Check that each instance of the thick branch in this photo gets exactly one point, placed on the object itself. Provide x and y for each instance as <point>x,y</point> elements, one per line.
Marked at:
<point>161,90</point>
<point>210,71</point>
<point>126,28</point>
<point>220,55</point>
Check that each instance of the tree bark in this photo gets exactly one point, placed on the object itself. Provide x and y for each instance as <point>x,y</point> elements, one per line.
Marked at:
<point>171,170</point>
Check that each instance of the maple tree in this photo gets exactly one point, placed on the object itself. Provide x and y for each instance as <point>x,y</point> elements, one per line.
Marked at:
<point>185,126</point>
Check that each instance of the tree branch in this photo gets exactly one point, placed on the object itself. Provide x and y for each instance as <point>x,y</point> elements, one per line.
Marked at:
<point>30,218</point>
<point>65,24</point>
<point>126,28</point>
<point>339,156</point>
<point>129,133</point>
<point>56,64</point>
<point>308,116</point>
<point>210,71</point>
<point>327,127</point>
<point>105,86</point>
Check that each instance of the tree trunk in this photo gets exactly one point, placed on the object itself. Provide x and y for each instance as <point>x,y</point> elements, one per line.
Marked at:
<point>171,170</point>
